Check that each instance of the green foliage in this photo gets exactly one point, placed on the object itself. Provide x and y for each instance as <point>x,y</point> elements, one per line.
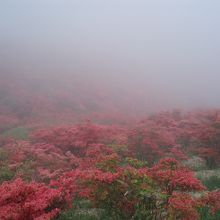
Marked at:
<point>26,170</point>
<point>82,210</point>
<point>3,155</point>
<point>87,214</point>
<point>5,173</point>
<point>120,149</point>
<point>135,162</point>
<point>107,165</point>
<point>129,195</point>
<point>205,214</point>
<point>19,133</point>
<point>150,206</point>
<point>212,182</point>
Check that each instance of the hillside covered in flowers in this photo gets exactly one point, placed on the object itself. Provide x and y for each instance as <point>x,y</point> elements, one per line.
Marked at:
<point>56,165</point>
<point>109,110</point>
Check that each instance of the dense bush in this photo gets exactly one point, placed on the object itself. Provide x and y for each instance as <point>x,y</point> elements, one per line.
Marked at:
<point>20,200</point>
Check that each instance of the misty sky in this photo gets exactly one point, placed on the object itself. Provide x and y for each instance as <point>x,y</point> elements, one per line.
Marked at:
<point>166,50</point>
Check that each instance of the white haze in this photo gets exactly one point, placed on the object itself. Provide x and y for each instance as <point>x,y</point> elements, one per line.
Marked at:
<point>163,53</point>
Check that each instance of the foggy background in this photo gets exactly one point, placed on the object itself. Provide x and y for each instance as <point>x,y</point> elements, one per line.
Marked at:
<point>155,54</point>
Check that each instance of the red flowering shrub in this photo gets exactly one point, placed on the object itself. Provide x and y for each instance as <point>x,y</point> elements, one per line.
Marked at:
<point>118,192</point>
<point>20,200</point>
<point>178,153</point>
<point>132,190</point>
<point>177,135</point>
<point>38,161</point>
<point>182,206</point>
<point>212,200</point>
<point>171,176</point>
<point>79,137</point>
<point>152,138</point>
<point>200,132</point>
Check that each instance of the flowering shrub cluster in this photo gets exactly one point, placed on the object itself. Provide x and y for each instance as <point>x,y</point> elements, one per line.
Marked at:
<point>212,200</point>
<point>177,135</point>
<point>183,206</point>
<point>20,200</point>
<point>171,175</point>
<point>133,172</point>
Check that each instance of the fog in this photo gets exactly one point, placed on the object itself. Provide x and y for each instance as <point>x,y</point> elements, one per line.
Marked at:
<point>153,54</point>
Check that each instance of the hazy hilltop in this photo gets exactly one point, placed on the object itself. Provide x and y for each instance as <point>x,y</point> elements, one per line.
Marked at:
<point>72,97</point>
<point>50,98</point>
<point>116,58</point>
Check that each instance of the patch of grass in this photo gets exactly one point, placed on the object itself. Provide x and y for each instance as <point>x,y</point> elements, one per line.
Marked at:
<point>5,173</point>
<point>212,182</point>
<point>82,210</point>
<point>206,215</point>
<point>19,133</point>
<point>3,155</point>
<point>87,214</point>
<point>27,169</point>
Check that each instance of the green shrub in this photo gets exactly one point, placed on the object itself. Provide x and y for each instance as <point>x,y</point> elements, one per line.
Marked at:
<point>19,133</point>
<point>3,155</point>
<point>5,173</point>
<point>212,183</point>
<point>206,215</point>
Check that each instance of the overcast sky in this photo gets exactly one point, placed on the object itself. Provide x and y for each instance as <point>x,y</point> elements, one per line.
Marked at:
<point>166,50</point>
